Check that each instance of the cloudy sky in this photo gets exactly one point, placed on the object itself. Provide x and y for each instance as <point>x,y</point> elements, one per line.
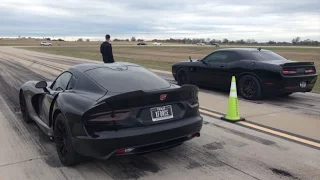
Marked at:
<point>262,20</point>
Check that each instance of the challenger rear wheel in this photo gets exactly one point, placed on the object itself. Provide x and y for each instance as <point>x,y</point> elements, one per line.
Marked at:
<point>62,135</point>
<point>183,77</point>
<point>250,88</point>
<point>24,109</point>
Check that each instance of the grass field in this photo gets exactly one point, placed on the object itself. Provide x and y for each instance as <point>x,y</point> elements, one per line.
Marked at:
<point>162,57</point>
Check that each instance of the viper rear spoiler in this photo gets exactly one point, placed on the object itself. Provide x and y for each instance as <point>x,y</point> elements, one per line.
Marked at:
<point>146,98</point>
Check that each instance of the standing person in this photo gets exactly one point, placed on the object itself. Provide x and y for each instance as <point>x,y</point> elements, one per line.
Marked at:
<point>106,50</point>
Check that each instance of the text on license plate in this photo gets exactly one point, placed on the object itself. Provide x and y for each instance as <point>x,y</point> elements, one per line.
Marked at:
<point>161,113</point>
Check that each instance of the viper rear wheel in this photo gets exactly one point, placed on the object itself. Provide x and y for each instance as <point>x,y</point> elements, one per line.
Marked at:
<point>62,136</point>
<point>24,109</point>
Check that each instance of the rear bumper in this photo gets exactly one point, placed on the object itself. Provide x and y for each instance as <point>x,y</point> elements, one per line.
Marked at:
<point>290,84</point>
<point>145,139</point>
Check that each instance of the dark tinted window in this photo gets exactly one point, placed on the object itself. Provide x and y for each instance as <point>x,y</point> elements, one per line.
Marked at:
<point>217,57</point>
<point>62,81</point>
<point>232,56</point>
<point>131,79</point>
<point>266,55</point>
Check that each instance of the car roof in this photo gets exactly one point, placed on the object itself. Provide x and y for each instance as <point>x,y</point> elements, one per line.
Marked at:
<point>85,84</point>
<point>87,66</point>
<point>97,77</point>
<point>241,49</point>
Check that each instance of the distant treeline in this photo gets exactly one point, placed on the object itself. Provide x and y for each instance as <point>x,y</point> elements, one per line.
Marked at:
<point>295,41</point>
<point>30,38</point>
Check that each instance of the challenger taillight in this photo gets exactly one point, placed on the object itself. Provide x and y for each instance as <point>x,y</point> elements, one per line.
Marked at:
<point>289,71</point>
<point>110,116</point>
<point>309,70</point>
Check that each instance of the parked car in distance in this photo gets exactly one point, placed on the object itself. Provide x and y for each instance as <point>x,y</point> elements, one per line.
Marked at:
<point>44,43</point>
<point>201,44</point>
<point>215,44</point>
<point>156,44</point>
<point>141,43</point>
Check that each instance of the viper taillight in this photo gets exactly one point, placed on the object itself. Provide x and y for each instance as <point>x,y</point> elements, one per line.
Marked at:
<point>110,116</point>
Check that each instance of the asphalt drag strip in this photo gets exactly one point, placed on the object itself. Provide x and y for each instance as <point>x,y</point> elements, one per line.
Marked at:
<point>266,129</point>
<point>274,131</point>
<point>223,151</point>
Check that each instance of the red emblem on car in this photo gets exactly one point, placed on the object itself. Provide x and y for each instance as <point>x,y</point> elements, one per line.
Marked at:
<point>163,97</point>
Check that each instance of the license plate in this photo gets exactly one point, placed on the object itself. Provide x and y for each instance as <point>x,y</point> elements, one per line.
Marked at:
<point>303,84</point>
<point>161,113</point>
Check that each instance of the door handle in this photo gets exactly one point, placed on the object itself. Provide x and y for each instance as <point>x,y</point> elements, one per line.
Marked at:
<point>221,66</point>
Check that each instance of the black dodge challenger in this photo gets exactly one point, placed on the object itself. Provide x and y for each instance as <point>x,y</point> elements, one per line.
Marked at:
<point>258,72</point>
<point>100,110</point>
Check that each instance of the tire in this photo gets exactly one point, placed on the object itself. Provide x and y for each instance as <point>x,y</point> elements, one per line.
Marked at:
<point>24,109</point>
<point>250,88</point>
<point>183,77</point>
<point>63,141</point>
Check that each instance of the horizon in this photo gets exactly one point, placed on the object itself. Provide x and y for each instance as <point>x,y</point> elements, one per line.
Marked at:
<point>97,39</point>
<point>233,20</point>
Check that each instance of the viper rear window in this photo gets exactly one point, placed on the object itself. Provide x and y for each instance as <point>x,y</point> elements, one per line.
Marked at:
<point>129,79</point>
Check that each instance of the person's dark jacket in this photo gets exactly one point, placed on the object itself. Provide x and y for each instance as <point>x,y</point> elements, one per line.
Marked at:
<point>106,51</point>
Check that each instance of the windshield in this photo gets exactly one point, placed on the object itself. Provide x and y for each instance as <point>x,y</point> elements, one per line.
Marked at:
<point>131,79</point>
<point>266,55</point>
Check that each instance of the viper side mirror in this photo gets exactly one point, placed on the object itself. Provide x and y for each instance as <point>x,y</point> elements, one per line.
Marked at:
<point>41,84</point>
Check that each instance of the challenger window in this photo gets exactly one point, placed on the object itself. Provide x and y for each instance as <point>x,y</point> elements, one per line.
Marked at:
<point>61,82</point>
<point>232,57</point>
<point>131,79</point>
<point>217,57</point>
<point>266,55</point>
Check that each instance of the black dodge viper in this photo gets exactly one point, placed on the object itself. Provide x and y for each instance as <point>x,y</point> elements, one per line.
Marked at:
<point>100,110</point>
<point>258,72</point>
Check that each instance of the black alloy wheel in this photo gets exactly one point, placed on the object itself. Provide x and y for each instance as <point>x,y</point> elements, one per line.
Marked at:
<point>24,109</point>
<point>182,77</point>
<point>250,87</point>
<point>66,152</point>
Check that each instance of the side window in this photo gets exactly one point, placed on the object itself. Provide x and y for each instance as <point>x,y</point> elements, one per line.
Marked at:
<point>72,83</point>
<point>62,81</point>
<point>217,57</point>
<point>232,57</point>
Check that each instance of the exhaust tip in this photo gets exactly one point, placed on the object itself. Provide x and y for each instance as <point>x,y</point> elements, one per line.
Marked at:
<point>124,151</point>
<point>196,134</point>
